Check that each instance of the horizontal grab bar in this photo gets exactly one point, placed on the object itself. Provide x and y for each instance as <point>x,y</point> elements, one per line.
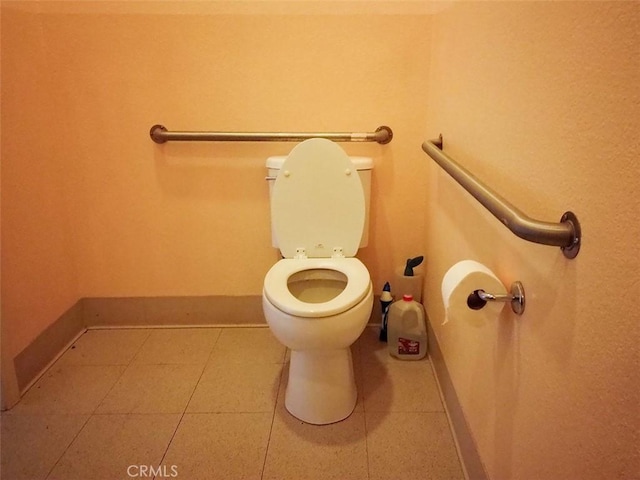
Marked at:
<point>565,234</point>
<point>160,134</point>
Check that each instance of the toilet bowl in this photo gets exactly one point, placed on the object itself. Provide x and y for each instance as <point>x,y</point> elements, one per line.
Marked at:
<point>321,388</point>
<point>317,300</point>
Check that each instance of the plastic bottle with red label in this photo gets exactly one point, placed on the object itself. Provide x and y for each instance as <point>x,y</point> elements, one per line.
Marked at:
<point>407,330</point>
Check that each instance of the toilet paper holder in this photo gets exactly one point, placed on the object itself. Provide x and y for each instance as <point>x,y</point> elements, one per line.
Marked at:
<point>479,298</point>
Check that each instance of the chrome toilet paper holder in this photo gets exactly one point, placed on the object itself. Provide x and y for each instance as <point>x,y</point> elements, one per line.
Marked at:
<point>479,298</point>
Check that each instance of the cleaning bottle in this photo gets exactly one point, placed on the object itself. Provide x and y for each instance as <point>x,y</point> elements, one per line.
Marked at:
<point>407,280</point>
<point>407,329</point>
<point>385,302</point>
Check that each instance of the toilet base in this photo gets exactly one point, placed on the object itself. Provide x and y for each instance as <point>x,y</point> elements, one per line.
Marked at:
<point>322,387</point>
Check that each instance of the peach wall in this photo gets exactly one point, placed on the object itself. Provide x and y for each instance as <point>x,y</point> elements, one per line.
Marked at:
<point>140,219</point>
<point>541,101</point>
<point>189,219</point>
<point>38,265</point>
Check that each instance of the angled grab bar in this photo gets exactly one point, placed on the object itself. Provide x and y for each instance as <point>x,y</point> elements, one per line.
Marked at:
<point>160,134</point>
<point>565,234</point>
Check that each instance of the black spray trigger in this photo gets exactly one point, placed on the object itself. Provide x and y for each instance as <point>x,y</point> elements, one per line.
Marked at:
<point>411,264</point>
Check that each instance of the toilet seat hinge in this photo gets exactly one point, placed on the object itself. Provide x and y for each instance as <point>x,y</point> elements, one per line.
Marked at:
<point>337,252</point>
<point>300,253</point>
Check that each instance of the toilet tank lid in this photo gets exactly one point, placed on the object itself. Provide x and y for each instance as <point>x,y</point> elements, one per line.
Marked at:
<point>361,163</point>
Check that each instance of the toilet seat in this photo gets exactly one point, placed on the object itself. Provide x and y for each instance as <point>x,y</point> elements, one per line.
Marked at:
<point>277,291</point>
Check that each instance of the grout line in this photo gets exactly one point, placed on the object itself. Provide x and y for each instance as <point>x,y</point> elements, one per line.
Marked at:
<point>204,366</point>
<point>366,446</point>
<point>139,348</point>
<point>358,357</point>
<point>366,436</point>
<point>124,370</point>
<point>55,464</point>
<point>98,404</point>
<point>273,417</point>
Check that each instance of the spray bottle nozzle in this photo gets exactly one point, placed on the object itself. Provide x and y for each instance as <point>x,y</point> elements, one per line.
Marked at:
<point>411,264</point>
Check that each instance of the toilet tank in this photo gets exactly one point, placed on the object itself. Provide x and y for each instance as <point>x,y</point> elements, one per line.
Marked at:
<point>364,165</point>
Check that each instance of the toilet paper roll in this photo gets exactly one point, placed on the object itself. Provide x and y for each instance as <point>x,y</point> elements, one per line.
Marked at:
<point>464,278</point>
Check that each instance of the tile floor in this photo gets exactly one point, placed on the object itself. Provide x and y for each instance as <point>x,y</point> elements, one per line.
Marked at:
<point>208,403</point>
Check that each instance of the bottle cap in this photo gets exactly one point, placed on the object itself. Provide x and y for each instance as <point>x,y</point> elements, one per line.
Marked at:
<point>407,298</point>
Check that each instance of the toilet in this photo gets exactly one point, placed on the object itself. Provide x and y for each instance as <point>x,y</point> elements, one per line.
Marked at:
<point>318,298</point>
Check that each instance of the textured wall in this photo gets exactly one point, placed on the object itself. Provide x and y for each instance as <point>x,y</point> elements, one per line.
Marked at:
<point>139,219</point>
<point>38,264</point>
<point>541,101</point>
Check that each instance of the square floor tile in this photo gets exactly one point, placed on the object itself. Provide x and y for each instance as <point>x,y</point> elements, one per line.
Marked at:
<point>177,346</point>
<point>237,387</point>
<point>248,345</point>
<point>32,444</point>
<point>105,347</point>
<point>220,446</point>
<point>152,389</point>
<point>110,445</point>
<point>400,386</point>
<point>419,445</point>
<point>116,400</point>
<point>69,389</point>
<point>298,450</point>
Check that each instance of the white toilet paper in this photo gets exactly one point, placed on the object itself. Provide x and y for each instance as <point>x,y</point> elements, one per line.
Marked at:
<point>464,278</point>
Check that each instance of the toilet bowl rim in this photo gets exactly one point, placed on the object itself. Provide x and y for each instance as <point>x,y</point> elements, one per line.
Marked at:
<point>368,293</point>
<point>276,291</point>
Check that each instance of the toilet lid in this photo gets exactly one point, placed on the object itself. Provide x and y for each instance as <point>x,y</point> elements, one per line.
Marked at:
<point>317,202</point>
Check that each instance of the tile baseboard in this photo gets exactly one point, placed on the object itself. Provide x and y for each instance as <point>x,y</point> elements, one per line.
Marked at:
<point>138,312</point>
<point>115,312</point>
<point>46,347</point>
<point>469,456</point>
<point>172,311</point>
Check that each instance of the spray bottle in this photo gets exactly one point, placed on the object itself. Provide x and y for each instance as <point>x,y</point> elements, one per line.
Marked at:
<point>385,301</point>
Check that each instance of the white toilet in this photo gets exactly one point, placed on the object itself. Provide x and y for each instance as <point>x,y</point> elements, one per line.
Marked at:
<point>317,300</point>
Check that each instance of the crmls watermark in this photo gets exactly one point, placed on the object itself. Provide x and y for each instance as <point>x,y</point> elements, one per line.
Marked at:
<point>149,471</point>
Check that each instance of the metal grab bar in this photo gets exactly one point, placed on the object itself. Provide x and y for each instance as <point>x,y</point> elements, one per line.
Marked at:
<point>159,134</point>
<point>565,234</point>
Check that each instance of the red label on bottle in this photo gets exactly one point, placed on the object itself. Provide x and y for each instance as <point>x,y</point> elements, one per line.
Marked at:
<point>408,347</point>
